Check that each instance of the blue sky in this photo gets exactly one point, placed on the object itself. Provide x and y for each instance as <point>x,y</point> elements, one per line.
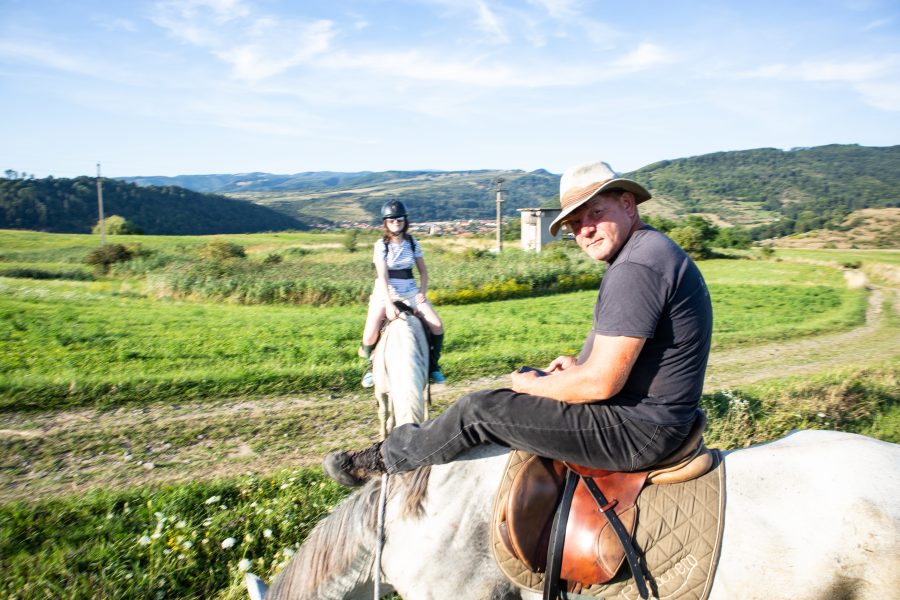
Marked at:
<point>229,86</point>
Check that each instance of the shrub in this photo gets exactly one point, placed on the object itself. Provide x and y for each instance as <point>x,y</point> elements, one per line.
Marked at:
<point>107,255</point>
<point>351,241</point>
<point>273,259</point>
<point>691,241</point>
<point>475,253</point>
<point>116,225</point>
<point>220,250</point>
<point>32,273</point>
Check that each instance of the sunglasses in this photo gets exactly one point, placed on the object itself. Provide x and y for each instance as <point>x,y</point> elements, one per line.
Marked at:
<point>397,220</point>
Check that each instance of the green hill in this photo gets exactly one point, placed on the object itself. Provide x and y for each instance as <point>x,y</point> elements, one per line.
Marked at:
<point>70,206</point>
<point>780,192</point>
<point>773,192</point>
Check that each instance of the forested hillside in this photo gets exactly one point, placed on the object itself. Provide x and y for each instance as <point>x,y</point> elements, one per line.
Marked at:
<point>782,192</point>
<point>70,206</point>
<point>327,197</point>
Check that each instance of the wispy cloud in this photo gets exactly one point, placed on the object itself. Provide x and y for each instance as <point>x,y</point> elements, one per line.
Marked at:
<point>885,96</point>
<point>45,53</point>
<point>256,46</point>
<point>115,23</point>
<point>878,24</point>
<point>559,9</point>
<point>645,56</point>
<point>274,49</point>
<point>876,80</point>
<point>426,66</point>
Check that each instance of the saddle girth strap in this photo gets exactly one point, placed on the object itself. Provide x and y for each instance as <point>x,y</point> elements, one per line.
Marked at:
<point>558,538</point>
<point>630,555</point>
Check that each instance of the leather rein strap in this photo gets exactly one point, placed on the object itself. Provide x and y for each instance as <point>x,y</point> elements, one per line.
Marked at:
<point>630,555</point>
<point>558,536</point>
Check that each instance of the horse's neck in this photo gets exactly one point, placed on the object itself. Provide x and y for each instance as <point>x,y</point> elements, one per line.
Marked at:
<point>477,471</point>
<point>403,350</point>
<point>447,550</point>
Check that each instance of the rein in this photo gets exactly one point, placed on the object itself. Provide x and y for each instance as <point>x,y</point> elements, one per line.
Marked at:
<point>379,533</point>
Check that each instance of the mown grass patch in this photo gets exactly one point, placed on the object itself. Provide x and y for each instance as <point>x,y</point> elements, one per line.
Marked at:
<point>891,257</point>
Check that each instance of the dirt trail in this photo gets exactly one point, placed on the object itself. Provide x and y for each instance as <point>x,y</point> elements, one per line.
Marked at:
<point>65,452</point>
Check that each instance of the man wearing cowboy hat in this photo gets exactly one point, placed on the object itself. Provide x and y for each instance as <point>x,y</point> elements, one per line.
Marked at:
<point>630,396</point>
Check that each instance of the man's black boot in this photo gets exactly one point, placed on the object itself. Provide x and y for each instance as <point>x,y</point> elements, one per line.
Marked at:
<point>354,468</point>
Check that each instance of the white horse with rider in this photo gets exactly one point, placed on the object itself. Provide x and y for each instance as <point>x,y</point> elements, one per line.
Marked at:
<point>812,516</point>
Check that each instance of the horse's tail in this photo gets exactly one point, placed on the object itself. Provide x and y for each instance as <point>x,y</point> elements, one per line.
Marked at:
<point>400,368</point>
<point>338,556</point>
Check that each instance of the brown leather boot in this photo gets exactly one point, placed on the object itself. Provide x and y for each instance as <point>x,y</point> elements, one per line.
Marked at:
<point>354,468</point>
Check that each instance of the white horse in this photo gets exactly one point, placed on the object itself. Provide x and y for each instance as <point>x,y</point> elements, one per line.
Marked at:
<point>400,369</point>
<point>815,515</point>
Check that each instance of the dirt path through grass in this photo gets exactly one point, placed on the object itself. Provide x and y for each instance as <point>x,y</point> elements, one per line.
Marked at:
<point>69,452</point>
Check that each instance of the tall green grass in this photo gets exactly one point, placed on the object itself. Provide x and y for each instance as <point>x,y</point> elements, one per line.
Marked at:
<point>102,343</point>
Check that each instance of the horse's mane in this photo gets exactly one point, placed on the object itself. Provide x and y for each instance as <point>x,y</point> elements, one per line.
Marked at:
<point>340,550</point>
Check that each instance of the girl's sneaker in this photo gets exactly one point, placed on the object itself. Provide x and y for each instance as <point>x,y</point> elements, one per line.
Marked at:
<point>437,377</point>
<point>368,380</point>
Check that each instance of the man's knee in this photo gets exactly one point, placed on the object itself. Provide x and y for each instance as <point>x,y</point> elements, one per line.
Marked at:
<point>483,405</point>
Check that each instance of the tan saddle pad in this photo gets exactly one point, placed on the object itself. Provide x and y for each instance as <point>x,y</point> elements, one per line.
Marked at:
<point>678,533</point>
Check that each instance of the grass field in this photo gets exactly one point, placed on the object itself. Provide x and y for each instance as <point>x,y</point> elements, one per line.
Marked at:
<point>103,343</point>
<point>81,341</point>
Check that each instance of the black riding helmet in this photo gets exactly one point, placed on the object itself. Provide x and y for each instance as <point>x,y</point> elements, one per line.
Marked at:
<point>392,209</point>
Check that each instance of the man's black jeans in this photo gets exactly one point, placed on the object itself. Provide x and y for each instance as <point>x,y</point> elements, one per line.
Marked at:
<point>592,435</point>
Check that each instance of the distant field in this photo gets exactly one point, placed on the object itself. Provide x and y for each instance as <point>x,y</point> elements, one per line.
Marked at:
<point>890,257</point>
<point>21,246</point>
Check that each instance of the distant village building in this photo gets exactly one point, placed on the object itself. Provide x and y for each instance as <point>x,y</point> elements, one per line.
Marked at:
<point>536,227</point>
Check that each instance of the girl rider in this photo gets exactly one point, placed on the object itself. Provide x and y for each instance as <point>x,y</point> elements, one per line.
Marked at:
<point>394,257</point>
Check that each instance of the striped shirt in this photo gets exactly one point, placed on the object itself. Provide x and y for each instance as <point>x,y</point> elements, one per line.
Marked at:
<point>399,256</point>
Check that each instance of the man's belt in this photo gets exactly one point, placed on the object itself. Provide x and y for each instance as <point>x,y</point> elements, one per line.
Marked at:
<point>400,274</point>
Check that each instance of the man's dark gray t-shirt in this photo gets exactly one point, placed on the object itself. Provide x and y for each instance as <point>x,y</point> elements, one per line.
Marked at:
<point>652,289</point>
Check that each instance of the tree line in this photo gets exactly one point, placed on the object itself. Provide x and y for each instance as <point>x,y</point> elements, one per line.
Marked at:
<point>70,206</point>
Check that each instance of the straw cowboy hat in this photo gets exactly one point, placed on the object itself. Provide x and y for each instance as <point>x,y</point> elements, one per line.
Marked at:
<point>580,184</point>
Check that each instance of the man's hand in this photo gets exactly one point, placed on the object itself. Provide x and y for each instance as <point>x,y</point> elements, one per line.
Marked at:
<point>521,380</point>
<point>561,363</point>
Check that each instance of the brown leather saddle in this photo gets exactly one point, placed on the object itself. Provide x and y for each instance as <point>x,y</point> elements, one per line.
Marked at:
<point>576,524</point>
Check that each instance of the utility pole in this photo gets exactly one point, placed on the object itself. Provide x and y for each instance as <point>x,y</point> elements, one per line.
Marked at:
<point>500,181</point>
<point>100,208</point>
